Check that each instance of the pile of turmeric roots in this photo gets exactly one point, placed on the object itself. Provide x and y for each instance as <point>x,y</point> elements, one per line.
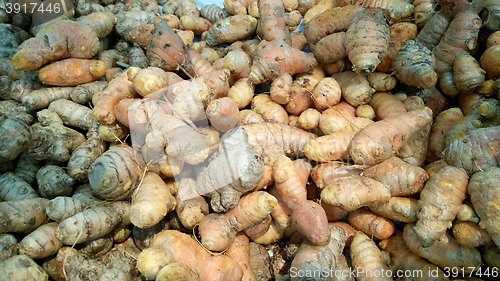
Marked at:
<point>159,140</point>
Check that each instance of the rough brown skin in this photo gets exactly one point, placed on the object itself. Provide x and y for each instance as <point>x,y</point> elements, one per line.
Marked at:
<point>433,30</point>
<point>459,39</point>
<point>467,73</point>
<point>442,122</point>
<point>313,258</point>
<point>151,202</point>
<point>476,151</point>
<point>165,49</point>
<point>230,29</point>
<point>483,189</point>
<point>41,98</point>
<point>63,207</point>
<point>74,114</point>
<point>51,140</point>
<point>92,223</point>
<point>235,171</point>
<point>185,249</point>
<point>403,259</point>
<point>22,267</point>
<point>443,253</point>
<point>366,39</point>
<point>53,181</point>
<point>368,151</point>
<point>401,178</point>
<point>41,243</point>
<point>84,155</point>
<point>35,52</point>
<point>8,246</point>
<point>414,65</point>
<point>365,254</point>
<point>353,192</point>
<point>22,216</point>
<point>72,72</point>
<point>115,174</point>
<point>14,188</point>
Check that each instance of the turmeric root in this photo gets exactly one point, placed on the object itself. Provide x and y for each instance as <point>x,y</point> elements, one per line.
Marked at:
<point>84,155</point>
<point>414,65</point>
<point>455,255</point>
<point>41,243</point>
<point>252,208</point>
<point>115,174</point>
<point>307,216</point>
<point>293,139</point>
<point>41,98</point>
<point>69,38</point>
<point>22,216</point>
<point>476,151</point>
<point>92,223</point>
<point>313,258</point>
<point>434,217</point>
<point>74,114</point>
<point>22,267</point>
<point>336,193</point>
<point>223,114</point>
<point>14,188</point>
<point>470,234</point>
<point>151,202</point>
<point>325,173</point>
<point>363,150</point>
<point>53,181</point>
<point>398,208</point>
<point>371,224</point>
<point>482,188</point>
<point>355,88</point>
<point>185,249</point>
<point>72,72</point>
<point>363,47</point>
<point>230,29</point>
<point>190,211</point>
<point>119,88</point>
<point>367,258</point>
<point>236,171</point>
<point>270,110</point>
<point>401,178</point>
<point>341,118</point>
<point>403,259</point>
<point>8,246</point>
<point>51,140</point>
